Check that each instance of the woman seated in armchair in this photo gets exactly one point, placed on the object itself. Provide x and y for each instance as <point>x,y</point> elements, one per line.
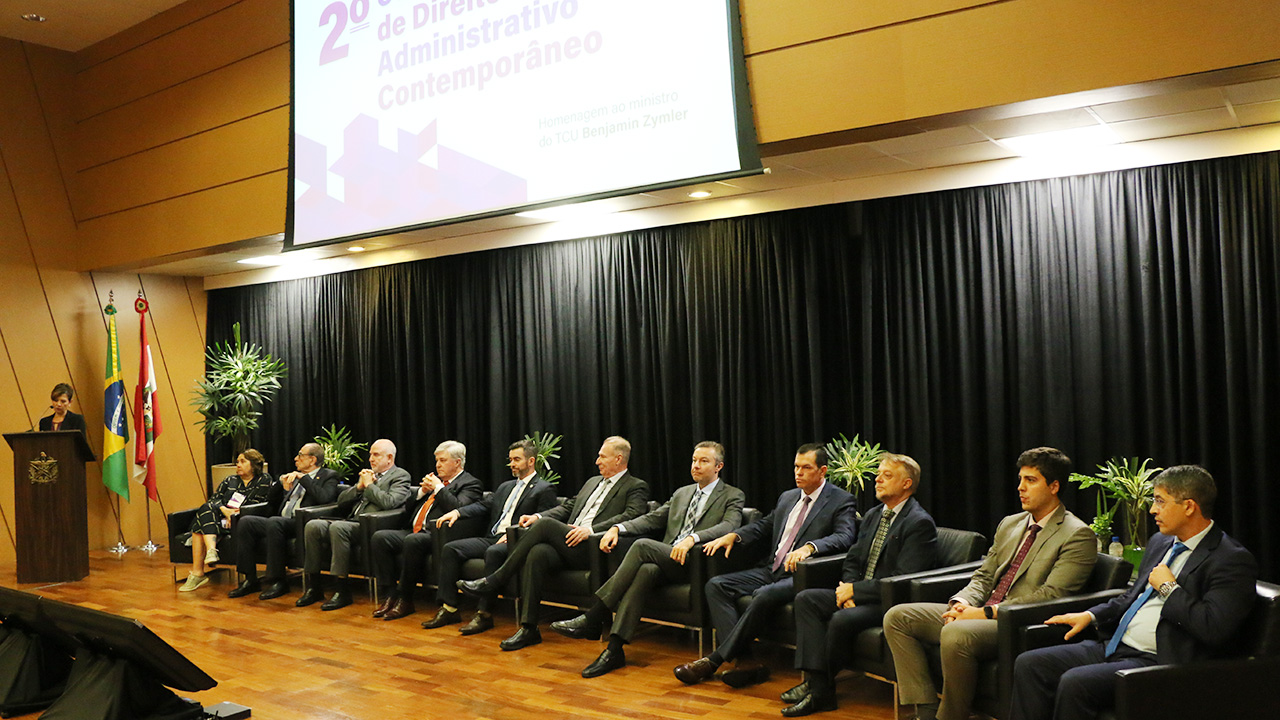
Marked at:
<point>248,485</point>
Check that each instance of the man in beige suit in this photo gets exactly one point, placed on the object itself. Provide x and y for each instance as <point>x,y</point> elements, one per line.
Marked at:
<point>1042,553</point>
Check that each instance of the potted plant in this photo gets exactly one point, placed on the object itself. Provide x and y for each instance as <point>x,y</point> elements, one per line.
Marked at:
<point>1123,484</point>
<point>851,462</point>
<point>548,447</point>
<point>239,379</point>
<point>341,454</point>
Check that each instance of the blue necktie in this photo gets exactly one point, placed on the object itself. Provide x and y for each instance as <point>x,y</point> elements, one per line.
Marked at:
<point>1114,642</point>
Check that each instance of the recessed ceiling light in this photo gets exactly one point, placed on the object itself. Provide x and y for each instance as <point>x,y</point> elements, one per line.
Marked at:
<point>699,194</point>
<point>356,248</point>
<point>33,17</point>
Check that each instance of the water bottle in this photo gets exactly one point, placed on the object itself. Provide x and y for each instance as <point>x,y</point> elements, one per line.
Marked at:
<point>1115,549</point>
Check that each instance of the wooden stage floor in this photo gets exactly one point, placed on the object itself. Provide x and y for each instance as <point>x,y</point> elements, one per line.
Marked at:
<point>290,663</point>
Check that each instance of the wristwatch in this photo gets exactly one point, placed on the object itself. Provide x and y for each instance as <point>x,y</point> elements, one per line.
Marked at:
<point>1166,588</point>
<point>989,611</point>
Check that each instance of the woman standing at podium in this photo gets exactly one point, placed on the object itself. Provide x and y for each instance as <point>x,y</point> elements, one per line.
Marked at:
<point>62,417</point>
<point>248,485</point>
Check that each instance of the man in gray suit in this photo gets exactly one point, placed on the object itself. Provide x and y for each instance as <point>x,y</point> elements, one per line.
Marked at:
<point>1040,554</point>
<point>695,513</point>
<point>381,486</point>
<point>558,537</point>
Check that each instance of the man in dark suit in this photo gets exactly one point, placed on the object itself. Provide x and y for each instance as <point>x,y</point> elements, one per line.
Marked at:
<point>448,488</point>
<point>695,513</point>
<point>310,485</point>
<point>525,494</point>
<point>1197,587</point>
<point>1041,553</point>
<point>381,486</point>
<point>897,537</point>
<point>813,518</point>
<point>559,537</point>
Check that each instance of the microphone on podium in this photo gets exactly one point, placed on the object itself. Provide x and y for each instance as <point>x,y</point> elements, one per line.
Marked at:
<point>37,421</point>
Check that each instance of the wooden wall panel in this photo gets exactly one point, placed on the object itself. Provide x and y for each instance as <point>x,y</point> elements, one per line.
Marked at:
<point>247,148</point>
<point>243,89</point>
<point>995,54</point>
<point>216,41</point>
<point>772,24</point>
<point>175,18</point>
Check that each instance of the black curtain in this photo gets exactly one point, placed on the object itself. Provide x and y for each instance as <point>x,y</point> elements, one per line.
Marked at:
<point>1131,313</point>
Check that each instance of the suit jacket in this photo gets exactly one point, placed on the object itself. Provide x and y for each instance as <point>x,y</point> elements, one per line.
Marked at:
<point>1058,563</point>
<point>831,524</point>
<point>386,493</point>
<point>1216,590</point>
<point>321,490</point>
<point>72,421</point>
<point>910,546</point>
<point>462,490</point>
<point>539,495</point>
<point>721,513</point>
<point>627,499</point>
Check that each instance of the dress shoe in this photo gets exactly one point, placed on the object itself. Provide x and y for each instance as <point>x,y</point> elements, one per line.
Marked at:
<point>608,661</point>
<point>809,705</point>
<point>244,588</point>
<point>340,599</point>
<point>477,588</point>
<point>579,628</point>
<point>310,597</point>
<point>695,672</point>
<point>402,608</point>
<point>274,590</point>
<point>477,624</point>
<point>523,638</point>
<point>740,677</point>
<point>386,605</point>
<point>443,617</point>
<point>796,694</point>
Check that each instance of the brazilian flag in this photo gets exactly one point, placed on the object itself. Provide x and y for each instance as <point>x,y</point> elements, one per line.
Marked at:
<point>114,462</point>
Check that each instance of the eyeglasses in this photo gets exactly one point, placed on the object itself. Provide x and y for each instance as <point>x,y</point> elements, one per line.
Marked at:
<point>1160,502</point>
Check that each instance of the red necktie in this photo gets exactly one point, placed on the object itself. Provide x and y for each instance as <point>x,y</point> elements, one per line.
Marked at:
<point>1007,581</point>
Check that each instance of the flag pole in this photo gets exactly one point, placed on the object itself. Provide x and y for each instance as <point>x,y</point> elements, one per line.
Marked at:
<point>146,418</point>
<point>116,431</point>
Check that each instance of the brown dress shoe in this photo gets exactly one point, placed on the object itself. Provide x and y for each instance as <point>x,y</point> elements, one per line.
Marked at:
<point>386,605</point>
<point>695,672</point>
<point>403,607</point>
<point>443,617</point>
<point>477,624</point>
<point>745,675</point>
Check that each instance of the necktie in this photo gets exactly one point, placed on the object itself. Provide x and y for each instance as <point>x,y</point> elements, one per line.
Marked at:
<point>1114,642</point>
<point>364,499</point>
<point>421,518</point>
<point>295,497</point>
<point>593,503</point>
<point>877,544</point>
<point>691,516</point>
<point>1007,581</point>
<point>784,547</point>
<point>507,509</point>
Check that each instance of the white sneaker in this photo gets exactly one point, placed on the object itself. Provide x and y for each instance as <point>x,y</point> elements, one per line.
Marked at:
<point>194,582</point>
<point>211,556</point>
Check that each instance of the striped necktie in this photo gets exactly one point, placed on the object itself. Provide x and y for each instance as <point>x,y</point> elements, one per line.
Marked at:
<point>877,544</point>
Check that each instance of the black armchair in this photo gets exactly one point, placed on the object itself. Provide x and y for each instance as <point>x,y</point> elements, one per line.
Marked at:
<point>179,526</point>
<point>370,523</point>
<point>1109,577</point>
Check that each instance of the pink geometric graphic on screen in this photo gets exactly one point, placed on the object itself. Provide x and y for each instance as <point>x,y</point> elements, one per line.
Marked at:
<point>387,188</point>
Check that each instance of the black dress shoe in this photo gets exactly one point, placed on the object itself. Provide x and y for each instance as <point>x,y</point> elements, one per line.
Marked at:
<point>523,638</point>
<point>274,590</point>
<point>796,694</point>
<point>608,661</point>
<point>809,705</point>
<point>741,677</point>
<point>310,597</point>
<point>477,624</point>
<point>695,672</point>
<point>579,628</point>
<point>443,617</point>
<point>477,588</point>
<point>245,588</point>
<point>340,599</point>
<point>403,607</point>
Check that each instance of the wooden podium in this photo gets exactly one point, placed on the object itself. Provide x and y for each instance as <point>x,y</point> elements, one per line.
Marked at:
<point>49,502</point>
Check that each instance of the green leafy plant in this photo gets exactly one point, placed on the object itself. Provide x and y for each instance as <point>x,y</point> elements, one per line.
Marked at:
<point>851,462</point>
<point>239,379</point>
<point>548,448</point>
<point>1121,484</point>
<point>340,452</point>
